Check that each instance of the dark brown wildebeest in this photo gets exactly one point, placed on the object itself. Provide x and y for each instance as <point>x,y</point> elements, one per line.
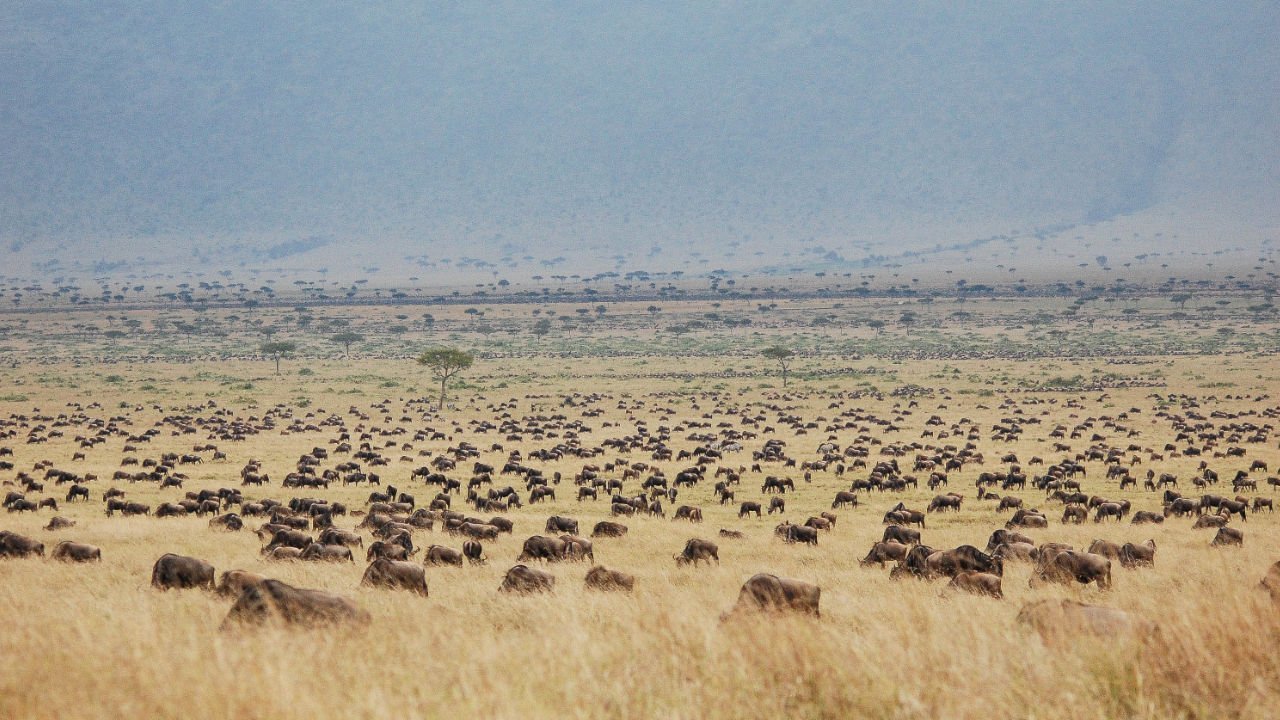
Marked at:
<point>688,512</point>
<point>819,523</point>
<point>1132,555</point>
<point>1066,620</point>
<point>395,575</point>
<point>791,533</point>
<point>479,531</point>
<point>904,535</point>
<point>541,547</point>
<point>1260,503</point>
<point>58,522</point>
<point>1228,536</point>
<point>1209,521</point>
<point>1108,509</point>
<point>1018,551</point>
<point>883,552</point>
<point>15,545</point>
<point>233,582</point>
<point>274,601</point>
<point>1143,517</point>
<point>621,508</point>
<point>441,555</point>
<point>1234,507</point>
<point>327,553</point>
<point>388,550</point>
<point>230,521</point>
<point>1027,519</point>
<point>1002,536</point>
<point>178,571</point>
<point>749,507</point>
<point>605,528</point>
<point>558,523</point>
<point>843,498</point>
<point>473,551</point>
<point>577,549</point>
<point>777,504</point>
<point>336,536</point>
<point>600,578</point>
<point>965,558</point>
<point>697,550</point>
<point>288,538</point>
<point>1070,566</point>
<point>77,491</point>
<point>770,593</point>
<point>942,503</point>
<point>76,552</point>
<point>524,579</point>
<point>1074,513</point>
<point>978,583</point>
<point>1106,549</point>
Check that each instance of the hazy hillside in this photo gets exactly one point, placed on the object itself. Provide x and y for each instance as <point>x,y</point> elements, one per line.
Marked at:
<point>315,133</point>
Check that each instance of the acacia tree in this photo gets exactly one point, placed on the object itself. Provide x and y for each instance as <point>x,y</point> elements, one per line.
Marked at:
<point>275,349</point>
<point>444,364</point>
<point>782,356</point>
<point>345,339</point>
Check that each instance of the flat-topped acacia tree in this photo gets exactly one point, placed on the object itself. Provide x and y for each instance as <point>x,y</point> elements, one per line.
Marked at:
<point>444,364</point>
<point>275,349</point>
<point>782,356</point>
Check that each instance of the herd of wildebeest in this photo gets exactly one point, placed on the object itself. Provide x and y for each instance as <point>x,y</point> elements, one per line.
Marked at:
<point>423,479</point>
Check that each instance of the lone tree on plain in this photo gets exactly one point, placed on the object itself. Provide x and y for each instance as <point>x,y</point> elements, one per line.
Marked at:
<point>345,339</point>
<point>782,356</point>
<point>444,364</point>
<point>275,349</point>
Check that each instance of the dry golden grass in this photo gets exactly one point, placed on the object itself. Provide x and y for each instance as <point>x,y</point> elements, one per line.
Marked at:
<point>85,641</point>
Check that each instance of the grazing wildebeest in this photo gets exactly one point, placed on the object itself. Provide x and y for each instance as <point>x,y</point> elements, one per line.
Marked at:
<point>978,583</point>
<point>843,498</point>
<point>1071,566</point>
<point>697,550</point>
<point>965,558</point>
<point>233,582</point>
<point>600,578</point>
<point>605,528</point>
<point>747,508</point>
<point>1066,620</point>
<point>541,547</point>
<point>904,535</point>
<point>688,512</point>
<point>76,552</point>
<point>777,504</point>
<point>524,579</point>
<point>1002,536</point>
<point>770,593</point>
<point>395,575</point>
<point>1132,555</point>
<point>58,522</point>
<point>557,523</point>
<point>178,571</point>
<point>883,552</point>
<point>274,601</point>
<point>1228,536</point>
<point>474,552</point>
<point>327,553</point>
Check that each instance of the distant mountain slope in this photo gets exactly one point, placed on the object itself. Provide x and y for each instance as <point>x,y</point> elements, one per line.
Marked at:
<point>162,129</point>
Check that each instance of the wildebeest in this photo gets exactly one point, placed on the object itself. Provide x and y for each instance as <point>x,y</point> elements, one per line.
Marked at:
<point>600,578</point>
<point>883,552</point>
<point>904,535</point>
<point>233,582</point>
<point>1132,555</point>
<point>541,547</point>
<point>388,550</point>
<point>798,533</point>
<point>965,558</point>
<point>1070,566</point>
<point>178,571</point>
<point>58,522</point>
<point>696,550</point>
<point>749,507</point>
<point>688,512</point>
<point>327,553</point>
<point>1003,536</point>
<point>15,545</point>
<point>577,549</point>
<point>1061,620</point>
<point>1228,536</point>
<point>395,575</point>
<point>1146,516</point>
<point>557,523</point>
<point>524,579</point>
<point>978,583</point>
<point>770,593</point>
<point>605,528</point>
<point>274,601</point>
<point>76,552</point>
<point>843,498</point>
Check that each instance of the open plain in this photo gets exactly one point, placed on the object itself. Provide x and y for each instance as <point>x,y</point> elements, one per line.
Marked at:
<point>1049,388</point>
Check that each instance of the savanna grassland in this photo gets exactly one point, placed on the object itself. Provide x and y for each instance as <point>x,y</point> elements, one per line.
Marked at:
<point>1123,370</point>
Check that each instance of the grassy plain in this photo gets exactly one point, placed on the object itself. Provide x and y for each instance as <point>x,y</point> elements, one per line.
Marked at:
<point>87,641</point>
